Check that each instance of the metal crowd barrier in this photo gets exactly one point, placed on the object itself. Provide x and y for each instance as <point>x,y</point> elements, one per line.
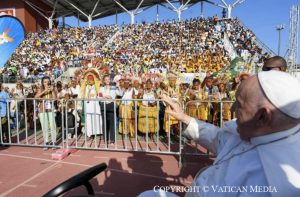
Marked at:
<point>25,115</point>
<point>27,129</point>
<point>15,79</point>
<point>210,111</point>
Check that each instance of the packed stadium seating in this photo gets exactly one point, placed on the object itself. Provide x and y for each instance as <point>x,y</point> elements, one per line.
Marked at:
<point>145,62</point>
<point>190,46</point>
<point>48,52</point>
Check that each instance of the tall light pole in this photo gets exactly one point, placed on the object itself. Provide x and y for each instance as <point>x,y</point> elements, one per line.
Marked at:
<point>279,28</point>
<point>228,7</point>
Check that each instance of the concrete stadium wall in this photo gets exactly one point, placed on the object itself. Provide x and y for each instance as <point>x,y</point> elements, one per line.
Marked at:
<point>31,20</point>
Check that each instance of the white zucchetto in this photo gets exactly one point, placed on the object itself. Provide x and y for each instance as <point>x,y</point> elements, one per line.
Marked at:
<point>282,90</point>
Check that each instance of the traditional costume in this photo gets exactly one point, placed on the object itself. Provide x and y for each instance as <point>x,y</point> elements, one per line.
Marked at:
<point>172,92</point>
<point>126,113</point>
<point>265,165</point>
<point>92,111</point>
<point>221,97</point>
<point>198,108</point>
<point>148,113</point>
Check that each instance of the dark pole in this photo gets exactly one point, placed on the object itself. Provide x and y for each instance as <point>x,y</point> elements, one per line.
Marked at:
<point>157,13</point>
<point>224,13</point>
<point>116,17</point>
<point>279,28</point>
<point>78,22</point>
<point>64,22</point>
<point>202,9</point>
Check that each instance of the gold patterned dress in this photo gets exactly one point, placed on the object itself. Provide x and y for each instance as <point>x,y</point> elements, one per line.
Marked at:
<point>170,121</point>
<point>126,114</point>
<point>226,113</point>
<point>198,108</point>
<point>148,114</point>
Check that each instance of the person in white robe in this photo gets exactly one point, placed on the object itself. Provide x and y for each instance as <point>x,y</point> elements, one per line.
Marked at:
<point>93,119</point>
<point>258,153</point>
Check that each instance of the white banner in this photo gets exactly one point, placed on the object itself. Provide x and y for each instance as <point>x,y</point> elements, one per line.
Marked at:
<point>8,11</point>
<point>188,77</point>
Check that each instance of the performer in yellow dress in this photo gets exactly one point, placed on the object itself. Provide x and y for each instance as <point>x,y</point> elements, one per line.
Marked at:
<point>173,92</point>
<point>209,89</point>
<point>197,109</point>
<point>126,113</point>
<point>221,95</point>
<point>148,111</point>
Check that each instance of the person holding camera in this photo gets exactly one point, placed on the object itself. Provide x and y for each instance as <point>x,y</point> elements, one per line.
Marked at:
<point>46,94</point>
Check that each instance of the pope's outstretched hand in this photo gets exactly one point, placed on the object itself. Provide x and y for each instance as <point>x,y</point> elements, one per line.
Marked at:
<point>175,110</point>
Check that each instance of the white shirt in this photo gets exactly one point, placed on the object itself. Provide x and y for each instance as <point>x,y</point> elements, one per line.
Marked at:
<point>135,91</point>
<point>19,92</point>
<point>117,78</point>
<point>108,92</point>
<point>127,96</point>
<point>148,96</point>
<point>268,160</point>
<point>26,71</point>
<point>61,94</point>
<point>76,90</point>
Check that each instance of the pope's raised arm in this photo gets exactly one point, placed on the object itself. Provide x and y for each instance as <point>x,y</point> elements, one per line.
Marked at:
<point>208,135</point>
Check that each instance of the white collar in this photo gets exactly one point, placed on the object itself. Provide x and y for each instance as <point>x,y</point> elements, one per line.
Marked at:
<point>274,136</point>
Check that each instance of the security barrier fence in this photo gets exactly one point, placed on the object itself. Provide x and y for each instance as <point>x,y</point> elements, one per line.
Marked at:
<point>134,125</point>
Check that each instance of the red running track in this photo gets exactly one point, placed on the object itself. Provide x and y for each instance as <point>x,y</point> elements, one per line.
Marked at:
<point>31,172</point>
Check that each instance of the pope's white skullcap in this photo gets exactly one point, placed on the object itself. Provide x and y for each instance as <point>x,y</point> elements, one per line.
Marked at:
<point>282,90</point>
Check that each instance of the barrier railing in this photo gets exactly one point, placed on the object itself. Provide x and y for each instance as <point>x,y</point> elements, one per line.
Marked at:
<point>15,79</point>
<point>136,127</point>
<point>214,112</point>
<point>133,125</point>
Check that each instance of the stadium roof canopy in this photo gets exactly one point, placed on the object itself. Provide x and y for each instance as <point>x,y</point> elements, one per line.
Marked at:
<point>88,10</point>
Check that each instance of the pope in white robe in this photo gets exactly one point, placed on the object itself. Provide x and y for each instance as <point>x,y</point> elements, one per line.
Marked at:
<point>257,154</point>
<point>248,168</point>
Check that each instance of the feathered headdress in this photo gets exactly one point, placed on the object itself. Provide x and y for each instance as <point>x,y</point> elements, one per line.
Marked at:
<point>90,74</point>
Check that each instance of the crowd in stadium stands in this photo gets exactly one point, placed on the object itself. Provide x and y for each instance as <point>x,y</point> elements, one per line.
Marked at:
<point>244,41</point>
<point>49,52</point>
<point>140,62</point>
<point>190,46</point>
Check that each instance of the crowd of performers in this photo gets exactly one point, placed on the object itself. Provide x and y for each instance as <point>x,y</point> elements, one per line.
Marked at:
<point>105,102</point>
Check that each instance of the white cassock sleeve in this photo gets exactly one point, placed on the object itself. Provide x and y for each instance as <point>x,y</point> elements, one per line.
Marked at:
<point>211,137</point>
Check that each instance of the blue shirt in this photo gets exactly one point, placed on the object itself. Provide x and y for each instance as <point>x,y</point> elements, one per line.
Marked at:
<point>4,98</point>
